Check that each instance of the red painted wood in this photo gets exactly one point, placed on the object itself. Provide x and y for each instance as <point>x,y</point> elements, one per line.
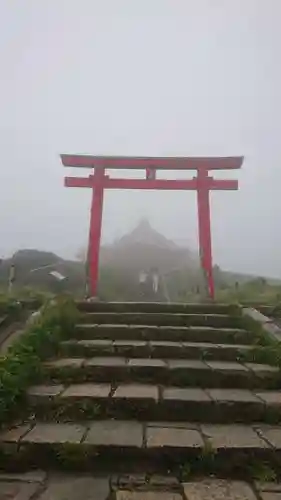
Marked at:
<point>168,163</point>
<point>95,231</point>
<point>80,182</point>
<point>204,230</point>
<point>158,184</point>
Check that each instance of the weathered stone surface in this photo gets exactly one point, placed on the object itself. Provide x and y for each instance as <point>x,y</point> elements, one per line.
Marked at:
<point>145,362</point>
<point>165,343</point>
<point>226,366</point>
<point>268,486</point>
<point>130,348</point>
<point>272,434</point>
<point>212,489</point>
<point>76,488</point>
<point>129,481</point>
<point>136,391</point>
<point>17,490</point>
<point>270,496</point>
<point>147,495</point>
<point>173,437</point>
<point>270,397</point>
<point>15,434</point>
<point>95,343</point>
<point>55,433</point>
<point>199,345</point>
<point>272,329</point>
<point>33,476</point>
<point>165,348</point>
<point>233,395</point>
<point>132,344</point>
<point>65,363</point>
<point>87,391</point>
<point>233,436</point>
<point>164,482</point>
<point>234,347</point>
<point>100,361</point>
<point>260,369</point>
<point>185,394</point>
<point>45,390</point>
<point>115,433</point>
<point>254,314</point>
<point>187,364</point>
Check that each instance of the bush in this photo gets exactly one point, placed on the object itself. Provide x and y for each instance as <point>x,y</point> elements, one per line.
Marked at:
<point>21,366</point>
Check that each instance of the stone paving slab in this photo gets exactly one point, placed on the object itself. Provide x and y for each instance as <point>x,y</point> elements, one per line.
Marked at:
<point>33,476</point>
<point>146,363</point>
<point>233,436</point>
<point>227,366</point>
<point>233,395</point>
<point>115,433</point>
<point>268,486</point>
<point>10,490</point>
<point>55,433</point>
<point>137,391</point>
<point>15,434</point>
<point>270,496</point>
<point>271,434</point>
<point>218,490</point>
<point>87,391</point>
<point>185,394</point>
<point>64,363</point>
<point>66,487</point>
<point>262,369</point>
<point>106,362</point>
<point>270,397</point>
<point>174,438</point>
<point>45,391</point>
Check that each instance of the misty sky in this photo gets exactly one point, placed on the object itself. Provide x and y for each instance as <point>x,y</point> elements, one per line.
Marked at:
<point>141,77</point>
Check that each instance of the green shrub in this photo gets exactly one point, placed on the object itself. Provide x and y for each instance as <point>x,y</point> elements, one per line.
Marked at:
<point>21,366</point>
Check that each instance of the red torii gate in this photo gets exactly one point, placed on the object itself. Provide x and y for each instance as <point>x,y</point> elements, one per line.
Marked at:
<point>99,180</point>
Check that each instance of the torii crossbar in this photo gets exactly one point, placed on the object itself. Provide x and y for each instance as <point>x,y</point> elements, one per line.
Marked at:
<point>203,183</point>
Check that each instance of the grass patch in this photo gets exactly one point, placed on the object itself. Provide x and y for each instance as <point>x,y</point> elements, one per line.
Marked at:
<point>21,366</point>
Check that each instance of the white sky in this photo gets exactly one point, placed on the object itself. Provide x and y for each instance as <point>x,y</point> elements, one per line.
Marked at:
<point>142,77</point>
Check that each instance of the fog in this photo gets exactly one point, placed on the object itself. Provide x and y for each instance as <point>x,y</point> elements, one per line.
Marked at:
<point>147,77</point>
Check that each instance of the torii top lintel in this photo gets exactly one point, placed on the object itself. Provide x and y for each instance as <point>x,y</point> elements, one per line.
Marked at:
<point>165,163</point>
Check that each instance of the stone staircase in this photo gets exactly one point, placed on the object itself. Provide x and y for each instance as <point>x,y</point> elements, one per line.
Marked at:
<point>154,393</point>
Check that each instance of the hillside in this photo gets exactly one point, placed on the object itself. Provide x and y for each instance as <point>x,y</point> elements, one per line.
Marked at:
<point>33,269</point>
<point>120,265</point>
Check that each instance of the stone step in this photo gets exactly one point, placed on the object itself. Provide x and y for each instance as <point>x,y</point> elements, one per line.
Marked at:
<point>162,319</point>
<point>156,349</point>
<point>179,372</point>
<point>152,307</point>
<point>48,485</point>
<point>152,402</point>
<point>170,333</point>
<point>112,444</point>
